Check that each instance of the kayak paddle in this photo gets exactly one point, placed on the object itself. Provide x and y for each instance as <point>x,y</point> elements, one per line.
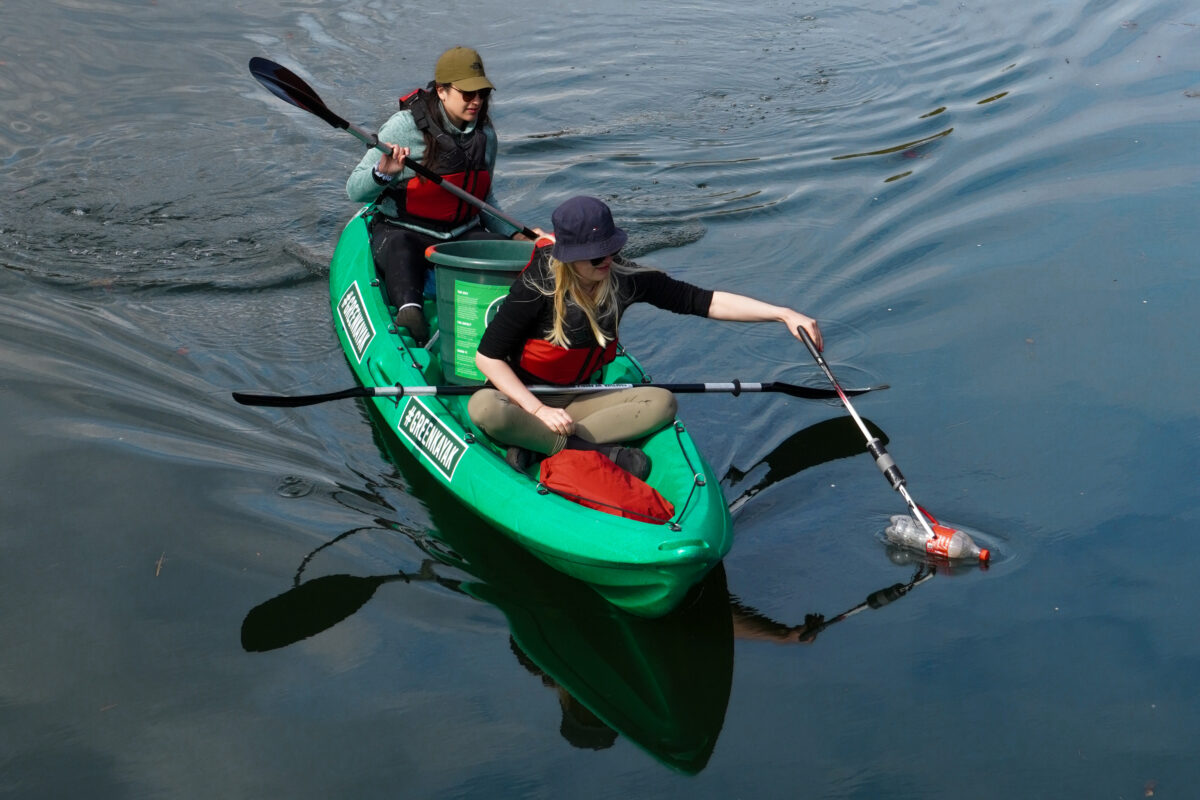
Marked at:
<point>287,85</point>
<point>735,388</point>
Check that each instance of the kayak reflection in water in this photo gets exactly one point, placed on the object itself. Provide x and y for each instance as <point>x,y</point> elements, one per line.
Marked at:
<point>583,728</point>
<point>664,684</point>
<point>559,326</point>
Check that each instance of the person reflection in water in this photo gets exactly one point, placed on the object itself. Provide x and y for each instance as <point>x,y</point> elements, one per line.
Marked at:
<point>579,726</point>
<point>751,624</point>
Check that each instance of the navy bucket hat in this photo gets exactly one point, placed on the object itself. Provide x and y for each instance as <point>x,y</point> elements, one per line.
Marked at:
<point>584,229</point>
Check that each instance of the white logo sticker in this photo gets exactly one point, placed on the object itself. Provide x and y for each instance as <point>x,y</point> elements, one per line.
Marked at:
<point>436,441</point>
<point>355,322</point>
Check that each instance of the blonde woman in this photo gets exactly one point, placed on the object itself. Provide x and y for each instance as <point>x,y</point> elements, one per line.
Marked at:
<point>559,326</point>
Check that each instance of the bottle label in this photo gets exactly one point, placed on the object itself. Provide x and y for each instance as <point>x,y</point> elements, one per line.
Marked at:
<point>939,545</point>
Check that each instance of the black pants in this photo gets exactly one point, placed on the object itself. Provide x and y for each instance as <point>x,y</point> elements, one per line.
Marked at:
<point>400,258</point>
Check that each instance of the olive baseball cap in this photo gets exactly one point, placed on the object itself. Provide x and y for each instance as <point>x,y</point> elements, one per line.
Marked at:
<point>462,67</point>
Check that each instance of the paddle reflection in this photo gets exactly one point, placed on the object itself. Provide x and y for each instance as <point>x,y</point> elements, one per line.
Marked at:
<point>817,444</point>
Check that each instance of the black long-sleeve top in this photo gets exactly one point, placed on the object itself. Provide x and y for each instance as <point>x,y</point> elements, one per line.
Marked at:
<point>528,310</point>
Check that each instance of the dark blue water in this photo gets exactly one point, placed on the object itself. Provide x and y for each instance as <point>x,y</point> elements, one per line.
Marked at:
<point>990,208</point>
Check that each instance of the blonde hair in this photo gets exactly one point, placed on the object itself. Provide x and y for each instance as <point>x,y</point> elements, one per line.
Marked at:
<point>568,287</point>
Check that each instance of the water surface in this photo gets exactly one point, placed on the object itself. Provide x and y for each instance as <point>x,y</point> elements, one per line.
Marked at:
<point>992,209</point>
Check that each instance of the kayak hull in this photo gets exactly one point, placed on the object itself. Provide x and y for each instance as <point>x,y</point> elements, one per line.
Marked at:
<point>644,568</point>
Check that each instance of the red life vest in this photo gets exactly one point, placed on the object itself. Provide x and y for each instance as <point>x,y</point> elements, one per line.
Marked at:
<point>564,366</point>
<point>461,160</point>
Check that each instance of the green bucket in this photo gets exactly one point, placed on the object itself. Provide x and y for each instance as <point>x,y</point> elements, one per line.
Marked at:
<point>472,278</point>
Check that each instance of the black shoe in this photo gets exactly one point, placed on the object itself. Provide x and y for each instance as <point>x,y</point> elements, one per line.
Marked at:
<point>519,459</point>
<point>413,318</point>
<point>632,460</point>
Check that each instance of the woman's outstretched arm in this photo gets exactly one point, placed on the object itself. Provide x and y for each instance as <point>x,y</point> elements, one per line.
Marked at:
<point>739,308</point>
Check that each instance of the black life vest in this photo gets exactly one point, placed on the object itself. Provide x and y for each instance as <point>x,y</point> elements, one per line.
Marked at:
<point>461,160</point>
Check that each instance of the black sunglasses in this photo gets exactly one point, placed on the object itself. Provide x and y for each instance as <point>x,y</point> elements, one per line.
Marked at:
<point>595,262</point>
<point>482,94</point>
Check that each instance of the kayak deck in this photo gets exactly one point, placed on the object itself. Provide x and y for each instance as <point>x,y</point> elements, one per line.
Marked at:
<point>642,567</point>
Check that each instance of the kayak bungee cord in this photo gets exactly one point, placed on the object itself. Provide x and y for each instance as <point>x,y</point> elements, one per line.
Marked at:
<point>882,459</point>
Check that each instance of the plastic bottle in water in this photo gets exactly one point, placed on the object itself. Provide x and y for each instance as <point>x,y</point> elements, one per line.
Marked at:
<point>946,543</point>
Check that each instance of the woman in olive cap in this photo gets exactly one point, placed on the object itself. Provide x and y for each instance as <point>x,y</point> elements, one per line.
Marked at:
<point>558,326</point>
<point>445,127</point>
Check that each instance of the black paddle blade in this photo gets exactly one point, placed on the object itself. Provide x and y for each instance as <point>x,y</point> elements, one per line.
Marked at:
<point>813,393</point>
<point>305,611</point>
<point>855,392</point>
<point>284,401</point>
<point>287,85</point>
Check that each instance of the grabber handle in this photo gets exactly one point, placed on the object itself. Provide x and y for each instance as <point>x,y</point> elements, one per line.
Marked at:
<point>886,464</point>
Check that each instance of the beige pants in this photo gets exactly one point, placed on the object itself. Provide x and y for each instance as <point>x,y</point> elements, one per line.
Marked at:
<point>600,417</point>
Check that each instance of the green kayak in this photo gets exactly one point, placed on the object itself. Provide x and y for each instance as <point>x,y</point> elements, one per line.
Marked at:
<point>645,568</point>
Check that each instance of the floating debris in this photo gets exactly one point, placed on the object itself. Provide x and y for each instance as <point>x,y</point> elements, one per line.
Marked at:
<point>293,486</point>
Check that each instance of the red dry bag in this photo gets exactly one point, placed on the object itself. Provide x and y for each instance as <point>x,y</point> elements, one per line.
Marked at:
<point>591,479</point>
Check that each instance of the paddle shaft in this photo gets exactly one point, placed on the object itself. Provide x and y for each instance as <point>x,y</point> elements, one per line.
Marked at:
<point>875,447</point>
<point>287,85</point>
<point>735,388</point>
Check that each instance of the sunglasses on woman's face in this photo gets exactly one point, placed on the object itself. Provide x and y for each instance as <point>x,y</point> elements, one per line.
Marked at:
<point>595,262</point>
<point>482,94</point>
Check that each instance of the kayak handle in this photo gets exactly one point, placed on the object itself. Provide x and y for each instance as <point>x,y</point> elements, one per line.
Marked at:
<point>686,548</point>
